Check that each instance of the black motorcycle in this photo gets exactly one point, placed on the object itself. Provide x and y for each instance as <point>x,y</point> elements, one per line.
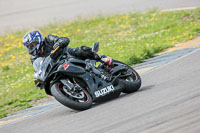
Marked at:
<point>78,83</point>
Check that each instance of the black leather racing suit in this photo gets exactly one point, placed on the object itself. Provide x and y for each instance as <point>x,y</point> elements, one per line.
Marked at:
<point>51,42</point>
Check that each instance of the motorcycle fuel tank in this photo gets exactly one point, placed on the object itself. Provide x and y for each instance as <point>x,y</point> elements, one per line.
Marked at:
<point>70,69</point>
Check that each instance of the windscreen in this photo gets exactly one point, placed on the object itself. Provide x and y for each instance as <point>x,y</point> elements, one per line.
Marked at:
<point>40,65</point>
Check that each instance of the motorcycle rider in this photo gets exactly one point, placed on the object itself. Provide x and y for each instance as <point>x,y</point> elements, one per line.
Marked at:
<point>39,47</point>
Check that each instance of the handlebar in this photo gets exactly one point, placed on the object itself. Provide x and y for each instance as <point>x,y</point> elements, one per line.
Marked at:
<point>55,50</point>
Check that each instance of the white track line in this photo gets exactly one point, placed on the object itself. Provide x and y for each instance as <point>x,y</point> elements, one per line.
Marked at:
<point>161,66</point>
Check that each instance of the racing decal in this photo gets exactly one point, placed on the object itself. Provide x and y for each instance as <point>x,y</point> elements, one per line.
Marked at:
<point>65,66</point>
<point>104,91</point>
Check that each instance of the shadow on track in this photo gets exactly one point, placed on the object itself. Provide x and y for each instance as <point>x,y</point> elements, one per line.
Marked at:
<point>146,88</point>
<point>111,99</point>
<point>122,95</point>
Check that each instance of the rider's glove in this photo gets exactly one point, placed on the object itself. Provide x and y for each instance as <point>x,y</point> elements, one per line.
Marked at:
<point>107,60</point>
<point>58,44</point>
<point>62,42</point>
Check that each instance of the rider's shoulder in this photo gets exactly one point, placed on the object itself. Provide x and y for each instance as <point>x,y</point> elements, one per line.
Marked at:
<point>51,37</point>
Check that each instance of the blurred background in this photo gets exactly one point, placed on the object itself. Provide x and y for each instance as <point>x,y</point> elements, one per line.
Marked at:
<point>20,14</point>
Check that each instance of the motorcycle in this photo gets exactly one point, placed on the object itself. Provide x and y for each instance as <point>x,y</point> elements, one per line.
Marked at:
<point>77,83</point>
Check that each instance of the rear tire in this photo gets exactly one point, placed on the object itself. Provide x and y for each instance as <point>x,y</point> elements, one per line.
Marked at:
<point>68,101</point>
<point>133,82</point>
<point>133,85</point>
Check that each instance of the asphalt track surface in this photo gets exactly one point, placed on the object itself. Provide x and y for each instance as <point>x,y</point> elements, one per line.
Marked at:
<point>20,14</point>
<point>167,102</point>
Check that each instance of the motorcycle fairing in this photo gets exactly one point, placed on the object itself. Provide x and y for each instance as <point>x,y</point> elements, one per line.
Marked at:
<point>94,82</point>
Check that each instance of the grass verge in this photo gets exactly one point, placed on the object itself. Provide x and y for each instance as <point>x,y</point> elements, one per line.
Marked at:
<point>130,38</point>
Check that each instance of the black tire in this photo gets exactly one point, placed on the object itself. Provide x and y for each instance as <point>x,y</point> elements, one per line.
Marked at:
<point>133,82</point>
<point>67,101</point>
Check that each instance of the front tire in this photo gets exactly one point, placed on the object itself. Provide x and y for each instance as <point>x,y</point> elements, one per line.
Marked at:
<point>59,94</point>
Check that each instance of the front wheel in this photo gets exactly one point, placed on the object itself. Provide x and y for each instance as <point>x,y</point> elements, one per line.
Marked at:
<point>77,98</point>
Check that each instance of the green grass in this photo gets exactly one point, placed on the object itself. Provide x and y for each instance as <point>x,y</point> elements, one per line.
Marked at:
<point>130,38</point>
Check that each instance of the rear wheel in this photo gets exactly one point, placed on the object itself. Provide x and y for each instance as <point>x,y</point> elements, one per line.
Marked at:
<point>133,82</point>
<point>76,98</point>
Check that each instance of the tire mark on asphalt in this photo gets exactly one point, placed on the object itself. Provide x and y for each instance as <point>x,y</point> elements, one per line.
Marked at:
<point>153,113</point>
<point>185,120</point>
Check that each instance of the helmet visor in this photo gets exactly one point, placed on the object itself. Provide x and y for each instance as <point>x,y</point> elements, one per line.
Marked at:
<point>32,48</point>
<point>31,45</point>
